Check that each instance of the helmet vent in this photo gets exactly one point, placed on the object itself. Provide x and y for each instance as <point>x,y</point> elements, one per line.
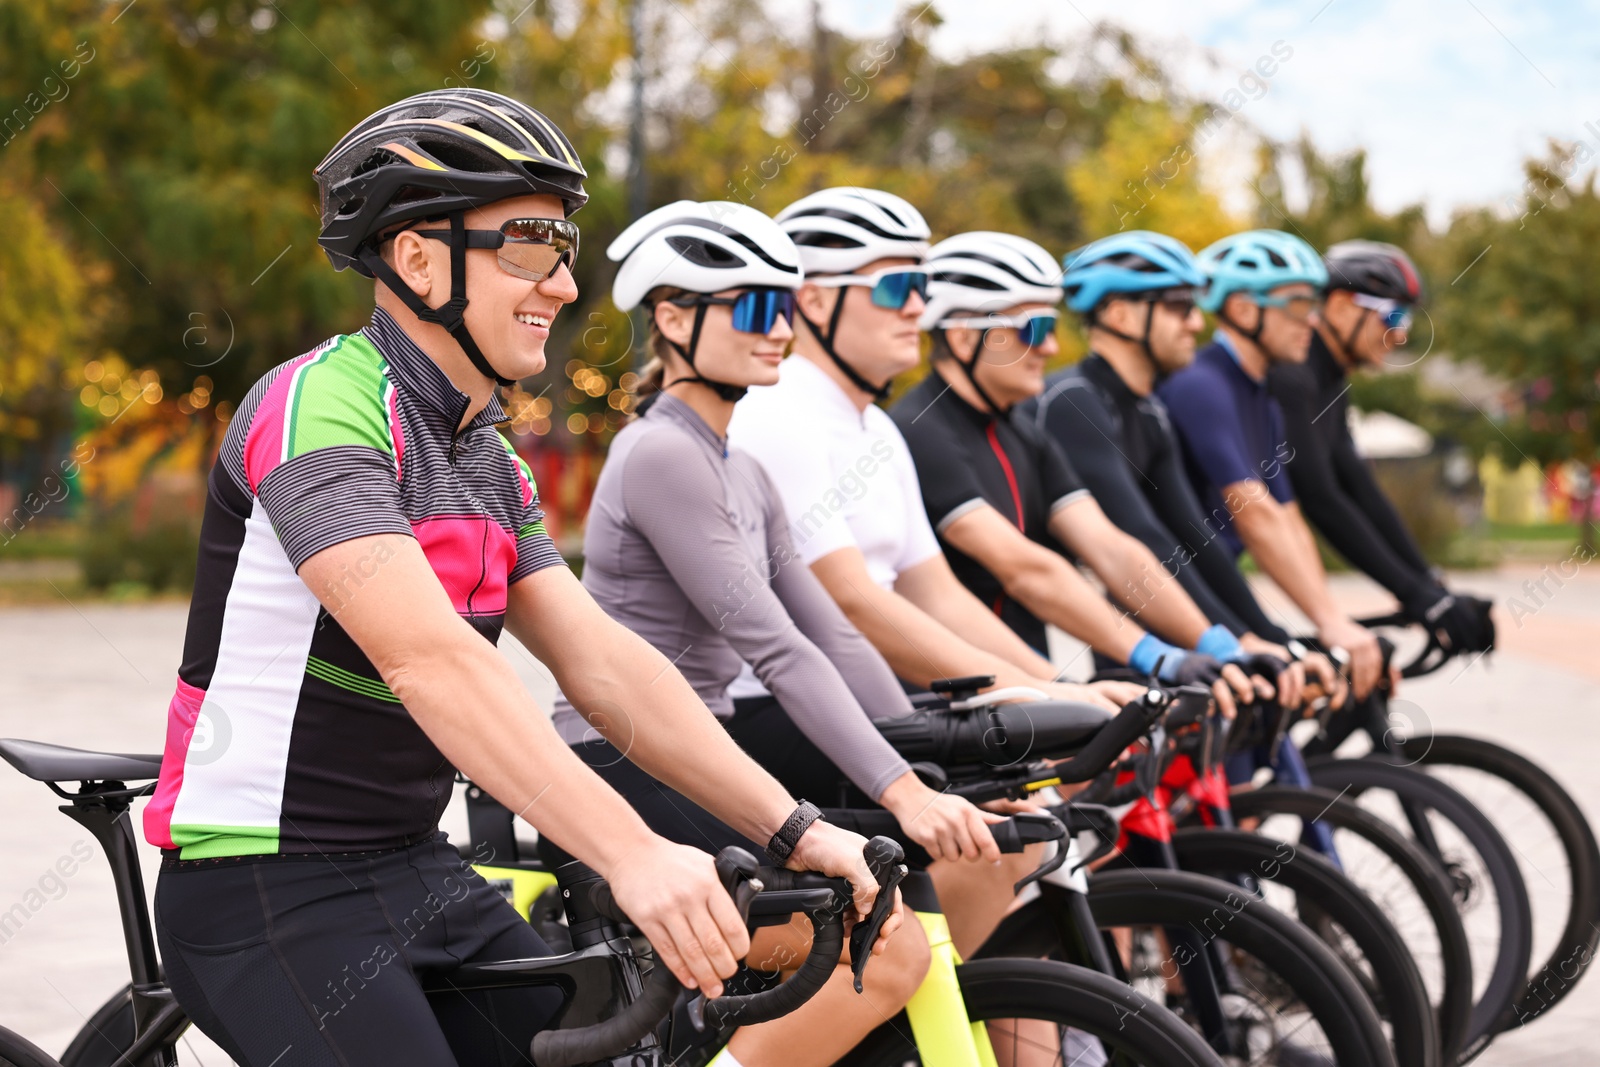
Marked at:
<point>703,253</point>
<point>380,157</point>
<point>456,156</point>
<point>820,239</point>
<point>971,281</point>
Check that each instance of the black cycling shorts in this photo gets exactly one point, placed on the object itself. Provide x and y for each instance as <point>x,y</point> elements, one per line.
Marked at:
<point>316,960</point>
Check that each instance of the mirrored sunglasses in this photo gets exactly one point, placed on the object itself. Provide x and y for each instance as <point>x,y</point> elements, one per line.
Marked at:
<point>891,288</point>
<point>530,249</point>
<point>1032,330</point>
<point>754,310</point>
<point>1299,307</point>
<point>1395,315</point>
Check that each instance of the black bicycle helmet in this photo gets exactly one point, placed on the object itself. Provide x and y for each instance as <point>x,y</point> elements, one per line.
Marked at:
<point>1374,268</point>
<point>436,155</point>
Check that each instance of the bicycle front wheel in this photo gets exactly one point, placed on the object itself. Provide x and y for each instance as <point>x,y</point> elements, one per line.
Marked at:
<point>1041,1013</point>
<point>1490,895</point>
<point>1393,870</point>
<point>1555,849</point>
<point>18,1051</point>
<point>1304,885</point>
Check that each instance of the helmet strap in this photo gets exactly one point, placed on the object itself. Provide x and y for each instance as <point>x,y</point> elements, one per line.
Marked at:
<point>825,339</point>
<point>452,314</point>
<point>970,369</point>
<point>730,393</point>
<point>1348,340</point>
<point>1143,340</point>
<point>1253,335</point>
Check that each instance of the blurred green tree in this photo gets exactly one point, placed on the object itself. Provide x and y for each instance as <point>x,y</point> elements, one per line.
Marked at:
<point>1525,306</point>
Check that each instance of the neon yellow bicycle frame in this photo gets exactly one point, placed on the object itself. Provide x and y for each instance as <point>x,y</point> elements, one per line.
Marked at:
<point>938,1014</point>
<point>520,887</point>
<point>945,1036</point>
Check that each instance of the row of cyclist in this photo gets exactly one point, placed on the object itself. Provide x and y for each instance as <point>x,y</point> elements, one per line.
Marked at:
<point>775,567</point>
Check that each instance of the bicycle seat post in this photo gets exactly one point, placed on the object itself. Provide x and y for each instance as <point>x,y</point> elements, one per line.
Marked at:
<point>102,808</point>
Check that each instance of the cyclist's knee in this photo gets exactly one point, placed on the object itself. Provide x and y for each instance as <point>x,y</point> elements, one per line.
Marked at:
<point>897,973</point>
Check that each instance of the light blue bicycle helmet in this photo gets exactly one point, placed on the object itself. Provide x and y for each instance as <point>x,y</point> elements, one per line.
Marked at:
<point>1257,261</point>
<point>1138,261</point>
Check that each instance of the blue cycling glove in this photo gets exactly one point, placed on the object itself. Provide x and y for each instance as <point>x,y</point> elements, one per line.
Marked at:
<point>1177,666</point>
<point>1220,644</point>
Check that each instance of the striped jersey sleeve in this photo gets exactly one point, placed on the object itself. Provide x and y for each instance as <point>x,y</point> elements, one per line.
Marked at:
<point>535,548</point>
<point>323,450</point>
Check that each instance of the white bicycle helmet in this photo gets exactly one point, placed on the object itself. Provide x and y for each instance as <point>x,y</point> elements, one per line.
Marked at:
<point>986,273</point>
<point>841,229</point>
<point>702,247</point>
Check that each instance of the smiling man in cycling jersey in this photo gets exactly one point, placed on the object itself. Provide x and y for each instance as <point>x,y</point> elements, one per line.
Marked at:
<point>1010,511</point>
<point>1372,288</point>
<point>1264,287</point>
<point>367,534</point>
<point>847,482</point>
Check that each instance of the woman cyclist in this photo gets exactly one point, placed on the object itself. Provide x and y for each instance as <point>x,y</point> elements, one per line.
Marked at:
<point>687,544</point>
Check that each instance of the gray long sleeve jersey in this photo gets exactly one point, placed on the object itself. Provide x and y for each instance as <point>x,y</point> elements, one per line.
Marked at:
<point>688,546</point>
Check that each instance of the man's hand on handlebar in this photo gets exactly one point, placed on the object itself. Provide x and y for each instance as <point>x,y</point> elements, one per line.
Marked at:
<point>1113,696</point>
<point>838,853</point>
<point>1366,658</point>
<point>1235,687</point>
<point>1321,673</point>
<point>948,826</point>
<point>1291,679</point>
<point>673,895</point>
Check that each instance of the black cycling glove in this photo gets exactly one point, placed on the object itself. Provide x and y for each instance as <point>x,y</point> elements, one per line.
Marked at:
<point>1190,668</point>
<point>1463,623</point>
<point>1262,665</point>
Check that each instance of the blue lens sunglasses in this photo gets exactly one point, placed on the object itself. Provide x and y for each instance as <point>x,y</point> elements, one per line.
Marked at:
<point>1395,315</point>
<point>754,310</point>
<point>891,287</point>
<point>1033,330</point>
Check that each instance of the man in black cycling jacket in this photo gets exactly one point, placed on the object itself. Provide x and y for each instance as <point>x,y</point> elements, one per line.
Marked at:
<point>1009,509</point>
<point>1136,292</point>
<point>1371,290</point>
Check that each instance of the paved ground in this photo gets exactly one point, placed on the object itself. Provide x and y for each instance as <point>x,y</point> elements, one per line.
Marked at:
<point>100,678</point>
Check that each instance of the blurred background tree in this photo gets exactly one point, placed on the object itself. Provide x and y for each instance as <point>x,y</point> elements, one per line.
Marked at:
<point>157,174</point>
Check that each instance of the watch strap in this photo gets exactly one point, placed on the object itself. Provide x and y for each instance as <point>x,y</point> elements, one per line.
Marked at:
<point>784,842</point>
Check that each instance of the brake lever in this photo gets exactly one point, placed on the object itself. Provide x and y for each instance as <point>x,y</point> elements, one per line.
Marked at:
<point>885,859</point>
<point>1148,774</point>
<point>1026,828</point>
<point>736,870</point>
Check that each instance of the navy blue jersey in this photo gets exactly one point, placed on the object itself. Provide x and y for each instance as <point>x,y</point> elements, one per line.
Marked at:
<point>1232,432</point>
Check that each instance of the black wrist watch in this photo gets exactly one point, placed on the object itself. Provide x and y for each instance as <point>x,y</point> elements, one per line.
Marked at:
<point>783,843</point>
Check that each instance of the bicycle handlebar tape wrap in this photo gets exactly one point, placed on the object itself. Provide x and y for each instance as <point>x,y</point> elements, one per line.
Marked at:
<point>614,1036</point>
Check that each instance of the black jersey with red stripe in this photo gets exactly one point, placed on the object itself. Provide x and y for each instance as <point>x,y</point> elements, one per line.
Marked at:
<point>967,459</point>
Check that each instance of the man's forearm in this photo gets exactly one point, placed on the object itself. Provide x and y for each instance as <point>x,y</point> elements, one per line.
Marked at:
<point>1141,584</point>
<point>638,701</point>
<point>1268,531</point>
<point>919,647</point>
<point>1054,591</point>
<point>470,703</point>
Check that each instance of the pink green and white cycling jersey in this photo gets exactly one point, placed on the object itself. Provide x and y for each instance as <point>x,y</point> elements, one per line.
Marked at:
<point>281,737</point>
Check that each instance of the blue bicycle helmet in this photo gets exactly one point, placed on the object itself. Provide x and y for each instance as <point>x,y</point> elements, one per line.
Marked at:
<point>1257,261</point>
<point>1138,261</point>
